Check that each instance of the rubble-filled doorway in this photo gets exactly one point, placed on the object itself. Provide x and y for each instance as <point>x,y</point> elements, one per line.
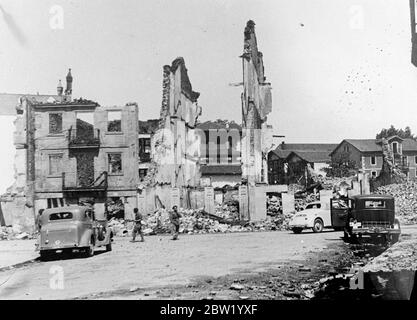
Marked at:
<point>115,208</point>
<point>273,204</point>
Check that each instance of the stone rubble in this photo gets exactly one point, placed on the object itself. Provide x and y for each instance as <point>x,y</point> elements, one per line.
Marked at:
<point>198,222</point>
<point>405,195</point>
<point>14,233</point>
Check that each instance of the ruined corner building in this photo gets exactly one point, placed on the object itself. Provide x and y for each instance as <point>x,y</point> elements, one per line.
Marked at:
<point>256,105</point>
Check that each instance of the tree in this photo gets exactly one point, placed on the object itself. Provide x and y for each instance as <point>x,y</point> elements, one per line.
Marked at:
<point>341,166</point>
<point>392,131</point>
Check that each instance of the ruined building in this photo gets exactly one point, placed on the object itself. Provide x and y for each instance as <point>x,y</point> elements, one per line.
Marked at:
<point>176,148</point>
<point>256,105</point>
<point>71,151</point>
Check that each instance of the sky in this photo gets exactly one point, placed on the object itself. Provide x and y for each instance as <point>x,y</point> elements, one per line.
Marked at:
<point>339,68</point>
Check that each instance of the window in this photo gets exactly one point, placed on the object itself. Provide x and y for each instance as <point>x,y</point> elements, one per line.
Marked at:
<point>114,121</point>
<point>60,216</point>
<point>230,149</point>
<point>373,174</point>
<point>374,204</point>
<point>144,145</point>
<point>373,160</point>
<point>395,147</point>
<point>55,164</point>
<point>415,159</point>
<point>313,206</point>
<point>218,150</point>
<point>115,163</point>
<point>55,123</point>
<point>142,173</point>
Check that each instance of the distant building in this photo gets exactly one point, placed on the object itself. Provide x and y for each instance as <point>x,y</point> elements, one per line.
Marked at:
<point>367,154</point>
<point>288,161</point>
<point>220,153</point>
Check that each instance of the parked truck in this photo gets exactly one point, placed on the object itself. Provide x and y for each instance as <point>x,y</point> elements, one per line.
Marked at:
<point>366,217</point>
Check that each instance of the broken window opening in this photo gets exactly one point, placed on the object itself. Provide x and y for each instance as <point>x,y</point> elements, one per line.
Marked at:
<point>114,121</point>
<point>55,123</point>
<point>142,174</point>
<point>115,163</point>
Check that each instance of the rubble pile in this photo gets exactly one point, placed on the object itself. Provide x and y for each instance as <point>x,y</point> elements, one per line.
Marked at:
<point>228,210</point>
<point>115,208</point>
<point>330,183</point>
<point>405,195</point>
<point>14,233</point>
<point>273,206</point>
<point>199,222</point>
<point>301,202</point>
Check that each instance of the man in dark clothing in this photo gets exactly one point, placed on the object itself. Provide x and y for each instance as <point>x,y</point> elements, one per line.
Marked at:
<point>138,225</point>
<point>174,217</point>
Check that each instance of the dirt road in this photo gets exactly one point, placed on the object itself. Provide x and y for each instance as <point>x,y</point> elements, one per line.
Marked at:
<point>159,262</point>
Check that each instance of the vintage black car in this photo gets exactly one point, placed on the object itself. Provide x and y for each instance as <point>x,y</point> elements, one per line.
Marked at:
<point>370,216</point>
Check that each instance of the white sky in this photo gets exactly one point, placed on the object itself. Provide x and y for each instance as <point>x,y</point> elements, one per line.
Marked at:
<point>339,68</point>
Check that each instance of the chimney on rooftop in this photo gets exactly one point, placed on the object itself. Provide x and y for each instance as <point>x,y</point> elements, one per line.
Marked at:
<point>68,90</point>
<point>60,88</point>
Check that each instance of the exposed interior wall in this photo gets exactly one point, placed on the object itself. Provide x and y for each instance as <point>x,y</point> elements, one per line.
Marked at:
<point>256,105</point>
<point>175,142</point>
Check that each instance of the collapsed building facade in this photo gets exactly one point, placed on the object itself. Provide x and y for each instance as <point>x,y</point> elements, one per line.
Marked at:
<point>71,151</point>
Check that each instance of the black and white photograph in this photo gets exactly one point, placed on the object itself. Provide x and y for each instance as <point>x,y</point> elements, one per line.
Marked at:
<point>221,152</point>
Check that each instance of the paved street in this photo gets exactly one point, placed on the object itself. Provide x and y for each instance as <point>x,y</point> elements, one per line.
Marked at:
<point>161,262</point>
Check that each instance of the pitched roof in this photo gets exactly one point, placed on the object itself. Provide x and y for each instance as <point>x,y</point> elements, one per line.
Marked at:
<point>312,156</point>
<point>311,152</point>
<point>374,145</point>
<point>365,145</point>
<point>212,170</point>
<point>219,124</point>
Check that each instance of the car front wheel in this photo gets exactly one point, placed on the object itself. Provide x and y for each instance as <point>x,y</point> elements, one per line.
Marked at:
<point>318,226</point>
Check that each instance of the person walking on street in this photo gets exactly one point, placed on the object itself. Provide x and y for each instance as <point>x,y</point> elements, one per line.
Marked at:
<point>174,217</point>
<point>138,225</point>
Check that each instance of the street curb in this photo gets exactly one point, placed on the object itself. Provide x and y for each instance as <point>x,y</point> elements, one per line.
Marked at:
<point>18,265</point>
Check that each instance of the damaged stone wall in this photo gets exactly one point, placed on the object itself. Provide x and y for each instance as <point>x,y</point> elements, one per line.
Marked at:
<point>256,105</point>
<point>175,143</point>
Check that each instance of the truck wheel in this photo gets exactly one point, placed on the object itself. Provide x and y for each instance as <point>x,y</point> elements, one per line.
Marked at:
<point>297,230</point>
<point>108,246</point>
<point>318,226</point>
